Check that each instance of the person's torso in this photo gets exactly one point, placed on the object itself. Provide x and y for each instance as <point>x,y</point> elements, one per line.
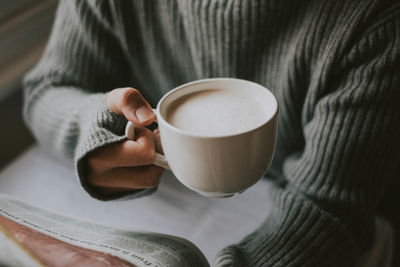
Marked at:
<point>292,48</point>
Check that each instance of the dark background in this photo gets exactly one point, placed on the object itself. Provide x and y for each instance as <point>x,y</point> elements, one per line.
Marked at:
<point>24,29</point>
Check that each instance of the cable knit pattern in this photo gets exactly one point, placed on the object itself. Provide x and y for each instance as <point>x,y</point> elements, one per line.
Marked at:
<point>333,66</point>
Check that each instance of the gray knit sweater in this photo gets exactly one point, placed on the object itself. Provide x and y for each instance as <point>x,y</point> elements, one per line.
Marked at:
<point>333,66</point>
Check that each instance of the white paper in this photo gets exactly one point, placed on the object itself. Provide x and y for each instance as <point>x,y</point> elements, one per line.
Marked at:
<point>210,223</point>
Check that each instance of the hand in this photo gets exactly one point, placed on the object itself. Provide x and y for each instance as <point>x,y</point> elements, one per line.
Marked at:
<point>126,166</point>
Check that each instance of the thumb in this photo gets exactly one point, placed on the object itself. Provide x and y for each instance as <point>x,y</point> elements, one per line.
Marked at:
<point>130,103</point>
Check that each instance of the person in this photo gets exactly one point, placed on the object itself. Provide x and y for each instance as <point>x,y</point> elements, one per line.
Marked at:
<point>333,66</point>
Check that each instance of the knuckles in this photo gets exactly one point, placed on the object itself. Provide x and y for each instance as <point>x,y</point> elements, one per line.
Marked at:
<point>142,152</point>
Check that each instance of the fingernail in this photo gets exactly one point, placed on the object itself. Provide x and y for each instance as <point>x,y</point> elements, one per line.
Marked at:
<point>144,113</point>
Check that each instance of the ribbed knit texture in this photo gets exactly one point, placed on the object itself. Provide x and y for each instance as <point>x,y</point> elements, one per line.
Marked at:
<point>333,66</point>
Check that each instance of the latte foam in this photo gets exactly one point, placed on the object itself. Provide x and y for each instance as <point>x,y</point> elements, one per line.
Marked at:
<point>217,112</point>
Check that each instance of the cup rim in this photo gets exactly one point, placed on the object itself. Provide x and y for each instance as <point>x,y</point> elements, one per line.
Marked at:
<point>161,119</point>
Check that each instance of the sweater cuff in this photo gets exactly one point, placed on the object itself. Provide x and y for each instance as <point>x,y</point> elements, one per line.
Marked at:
<point>296,233</point>
<point>100,127</point>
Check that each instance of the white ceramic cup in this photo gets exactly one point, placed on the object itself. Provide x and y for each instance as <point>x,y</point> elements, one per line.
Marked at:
<point>216,166</point>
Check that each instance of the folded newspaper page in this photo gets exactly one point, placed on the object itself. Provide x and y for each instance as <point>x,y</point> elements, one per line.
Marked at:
<point>30,236</point>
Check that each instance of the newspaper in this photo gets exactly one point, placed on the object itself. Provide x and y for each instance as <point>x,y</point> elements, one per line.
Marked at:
<point>137,247</point>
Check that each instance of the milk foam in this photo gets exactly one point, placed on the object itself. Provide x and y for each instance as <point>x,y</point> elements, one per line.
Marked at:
<point>217,112</point>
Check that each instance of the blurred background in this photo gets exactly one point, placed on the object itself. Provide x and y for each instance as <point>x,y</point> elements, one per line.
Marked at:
<point>24,28</point>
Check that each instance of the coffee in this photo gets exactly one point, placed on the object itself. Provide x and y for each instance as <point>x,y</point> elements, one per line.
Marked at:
<point>217,112</point>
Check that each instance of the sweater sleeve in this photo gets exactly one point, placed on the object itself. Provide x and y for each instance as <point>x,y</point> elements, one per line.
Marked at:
<point>323,215</point>
<point>64,104</point>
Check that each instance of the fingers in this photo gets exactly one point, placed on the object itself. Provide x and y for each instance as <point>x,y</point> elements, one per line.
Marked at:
<point>128,177</point>
<point>127,153</point>
<point>124,166</point>
<point>156,135</point>
<point>130,103</point>
<point>117,168</point>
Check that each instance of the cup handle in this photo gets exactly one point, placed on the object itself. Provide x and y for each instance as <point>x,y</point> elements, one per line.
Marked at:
<point>160,161</point>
